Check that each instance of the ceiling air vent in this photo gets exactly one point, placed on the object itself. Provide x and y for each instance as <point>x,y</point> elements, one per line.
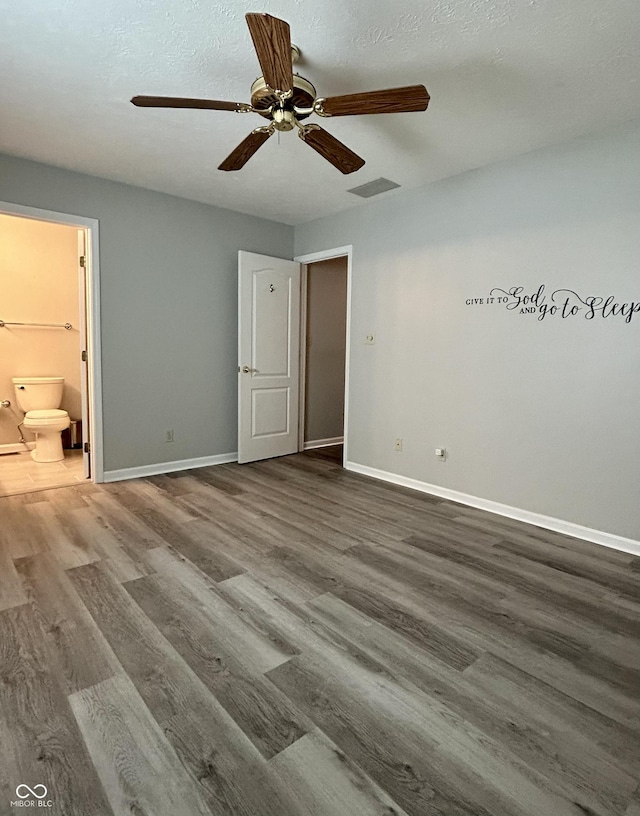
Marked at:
<point>374,188</point>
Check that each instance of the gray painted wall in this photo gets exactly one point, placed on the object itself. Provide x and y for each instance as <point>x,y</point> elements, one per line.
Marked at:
<point>168,271</point>
<point>540,415</point>
<point>326,349</point>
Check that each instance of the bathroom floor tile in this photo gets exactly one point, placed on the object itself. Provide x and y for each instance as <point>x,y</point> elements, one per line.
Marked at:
<point>11,471</point>
<point>9,487</point>
<point>61,477</point>
<point>43,467</point>
<point>20,474</point>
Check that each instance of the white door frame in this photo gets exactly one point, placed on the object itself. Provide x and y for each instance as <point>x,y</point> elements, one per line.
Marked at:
<point>324,255</point>
<point>94,353</point>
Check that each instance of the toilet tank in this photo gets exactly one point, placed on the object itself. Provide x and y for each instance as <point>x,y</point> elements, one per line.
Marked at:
<point>38,393</point>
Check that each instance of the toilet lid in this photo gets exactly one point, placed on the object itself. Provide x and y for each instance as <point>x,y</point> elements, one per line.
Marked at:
<point>51,413</point>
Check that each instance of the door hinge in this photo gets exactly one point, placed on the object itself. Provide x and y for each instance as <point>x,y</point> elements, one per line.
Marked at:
<point>84,356</point>
<point>87,447</point>
<point>83,261</point>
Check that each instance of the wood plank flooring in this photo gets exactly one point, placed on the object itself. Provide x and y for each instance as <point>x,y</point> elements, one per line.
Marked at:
<point>286,638</point>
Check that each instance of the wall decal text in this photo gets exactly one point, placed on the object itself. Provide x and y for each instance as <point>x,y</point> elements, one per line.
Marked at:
<point>561,303</point>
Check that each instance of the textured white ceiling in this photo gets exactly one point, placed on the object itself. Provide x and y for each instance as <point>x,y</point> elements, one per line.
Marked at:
<point>505,77</point>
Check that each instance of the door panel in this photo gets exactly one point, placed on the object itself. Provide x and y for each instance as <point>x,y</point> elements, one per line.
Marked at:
<point>268,356</point>
<point>271,328</point>
<point>270,411</point>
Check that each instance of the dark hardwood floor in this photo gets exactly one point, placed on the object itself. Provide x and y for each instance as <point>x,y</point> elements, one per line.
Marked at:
<point>287,638</point>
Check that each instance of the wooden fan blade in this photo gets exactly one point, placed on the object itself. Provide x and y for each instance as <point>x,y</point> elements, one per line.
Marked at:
<point>245,150</point>
<point>272,41</point>
<point>393,100</point>
<point>180,102</point>
<point>331,149</point>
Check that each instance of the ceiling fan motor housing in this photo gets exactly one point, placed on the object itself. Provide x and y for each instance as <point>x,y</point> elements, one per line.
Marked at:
<point>263,98</point>
<point>284,119</point>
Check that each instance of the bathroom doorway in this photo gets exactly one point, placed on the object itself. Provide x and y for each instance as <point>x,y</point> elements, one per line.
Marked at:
<point>48,329</point>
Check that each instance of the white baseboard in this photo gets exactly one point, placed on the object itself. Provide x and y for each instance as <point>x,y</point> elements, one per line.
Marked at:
<point>615,542</point>
<point>168,467</point>
<point>16,447</point>
<point>323,443</point>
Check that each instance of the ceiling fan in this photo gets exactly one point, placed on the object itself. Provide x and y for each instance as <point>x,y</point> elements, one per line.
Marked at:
<point>287,99</point>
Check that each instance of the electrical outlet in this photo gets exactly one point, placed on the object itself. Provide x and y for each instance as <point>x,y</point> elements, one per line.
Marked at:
<point>369,339</point>
<point>398,445</point>
<point>169,436</point>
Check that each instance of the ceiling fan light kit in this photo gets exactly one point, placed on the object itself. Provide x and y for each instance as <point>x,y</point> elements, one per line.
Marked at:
<point>287,99</point>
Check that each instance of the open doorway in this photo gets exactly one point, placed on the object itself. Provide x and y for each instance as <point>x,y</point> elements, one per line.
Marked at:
<point>49,350</point>
<point>324,347</point>
<point>272,331</point>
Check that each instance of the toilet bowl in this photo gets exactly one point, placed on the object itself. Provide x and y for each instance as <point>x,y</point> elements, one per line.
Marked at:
<point>48,427</point>
<point>39,398</point>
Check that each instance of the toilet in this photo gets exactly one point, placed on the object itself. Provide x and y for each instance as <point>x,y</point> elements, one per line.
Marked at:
<point>39,398</point>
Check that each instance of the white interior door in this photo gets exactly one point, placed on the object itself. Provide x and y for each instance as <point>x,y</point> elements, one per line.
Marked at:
<point>268,356</point>
<point>84,351</point>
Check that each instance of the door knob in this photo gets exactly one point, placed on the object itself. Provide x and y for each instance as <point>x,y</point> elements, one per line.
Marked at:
<point>246,370</point>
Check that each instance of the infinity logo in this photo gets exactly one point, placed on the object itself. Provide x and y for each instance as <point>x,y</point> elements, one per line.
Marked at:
<point>31,791</point>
